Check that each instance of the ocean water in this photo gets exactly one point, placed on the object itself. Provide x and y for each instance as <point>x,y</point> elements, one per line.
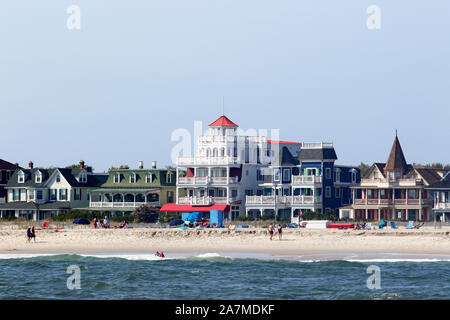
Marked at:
<point>224,276</point>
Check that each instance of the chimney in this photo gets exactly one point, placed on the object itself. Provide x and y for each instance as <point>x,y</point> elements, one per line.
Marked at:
<point>30,165</point>
<point>81,164</point>
<point>153,164</point>
<point>141,164</point>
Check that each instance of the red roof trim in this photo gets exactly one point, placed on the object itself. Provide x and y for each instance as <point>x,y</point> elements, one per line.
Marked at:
<point>173,207</point>
<point>284,142</point>
<point>223,122</point>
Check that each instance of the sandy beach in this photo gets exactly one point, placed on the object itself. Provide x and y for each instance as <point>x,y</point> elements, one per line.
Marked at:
<point>426,240</point>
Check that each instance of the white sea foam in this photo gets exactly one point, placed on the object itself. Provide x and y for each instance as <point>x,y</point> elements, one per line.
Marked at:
<point>25,255</point>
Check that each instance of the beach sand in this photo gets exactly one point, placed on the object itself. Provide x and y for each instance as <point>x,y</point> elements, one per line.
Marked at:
<point>84,240</point>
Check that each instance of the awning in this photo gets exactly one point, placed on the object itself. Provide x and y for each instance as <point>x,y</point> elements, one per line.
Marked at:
<point>173,207</point>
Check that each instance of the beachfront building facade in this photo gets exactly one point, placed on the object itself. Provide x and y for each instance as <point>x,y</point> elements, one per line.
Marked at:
<point>395,190</point>
<point>226,168</point>
<point>6,171</point>
<point>308,182</point>
<point>124,190</point>
<point>38,193</point>
<point>441,199</point>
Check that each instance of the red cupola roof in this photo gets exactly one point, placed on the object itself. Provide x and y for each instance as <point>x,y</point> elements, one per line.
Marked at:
<point>223,122</point>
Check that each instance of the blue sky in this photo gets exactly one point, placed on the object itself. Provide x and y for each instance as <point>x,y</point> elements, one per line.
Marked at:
<point>112,92</point>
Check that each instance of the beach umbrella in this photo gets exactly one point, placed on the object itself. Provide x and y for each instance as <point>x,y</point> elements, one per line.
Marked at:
<point>175,222</point>
<point>81,221</point>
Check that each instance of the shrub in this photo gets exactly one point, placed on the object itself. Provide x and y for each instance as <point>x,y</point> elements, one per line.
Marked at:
<point>268,216</point>
<point>167,217</point>
<point>128,217</point>
<point>72,215</point>
<point>244,218</point>
<point>146,214</point>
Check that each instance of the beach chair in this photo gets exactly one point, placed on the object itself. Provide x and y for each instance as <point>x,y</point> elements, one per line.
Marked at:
<point>410,225</point>
<point>393,226</point>
<point>419,225</point>
<point>382,224</point>
<point>368,226</point>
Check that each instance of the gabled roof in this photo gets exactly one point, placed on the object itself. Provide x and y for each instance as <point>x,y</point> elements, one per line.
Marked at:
<point>284,158</point>
<point>430,175</point>
<point>223,121</point>
<point>396,160</point>
<point>5,165</point>
<point>444,183</point>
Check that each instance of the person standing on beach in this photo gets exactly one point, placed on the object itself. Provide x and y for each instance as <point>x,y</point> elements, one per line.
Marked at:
<point>280,231</point>
<point>270,229</point>
<point>33,234</point>
<point>95,222</point>
<point>28,234</point>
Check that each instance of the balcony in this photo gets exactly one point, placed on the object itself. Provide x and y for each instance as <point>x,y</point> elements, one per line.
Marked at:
<point>189,161</point>
<point>203,201</point>
<point>306,180</point>
<point>390,202</point>
<point>122,204</point>
<point>387,183</point>
<point>206,180</point>
<point>282,200</point>
<point>443,206</point>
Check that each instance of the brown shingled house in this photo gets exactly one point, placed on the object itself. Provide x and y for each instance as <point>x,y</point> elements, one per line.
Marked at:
<point>395,190</point>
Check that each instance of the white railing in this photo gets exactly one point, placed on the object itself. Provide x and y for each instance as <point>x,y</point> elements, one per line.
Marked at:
<point>299,180</point>
<point>283,200</point>
<point>443,206</point>
<point>206,180</point>
<point>206,201</point>
<point>316,145</point>
<point>122,204</point>
<point>206,160</point>
<point>380,182</point>
<point>383,202</point>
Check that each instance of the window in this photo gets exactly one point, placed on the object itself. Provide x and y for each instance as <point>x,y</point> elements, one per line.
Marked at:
<point>169,196</point>
<point>353,176</point>
<point>53,194</point>
<point>77,194</point>
<point>328,173</point>
<point>116,178</point>
<point>169,177</point>
<point>8,175</point>
<point>83,177</point>
<point>337,176</point>
<point>398,175</point>
<point>15,194</point>
<point>21,177</point>
<point>234,193</point>
<point>38,177</point>
<point>148,178</point>
<point>58,178</point>
<point>328,192</point>
<point>337,192</point>
<point>31,194</point>
<point>276,175</point>
<point>286,174</point>
<point>259,177</point>
<point>62,194</point>
<point>132,178</point>
<point>39,195</point>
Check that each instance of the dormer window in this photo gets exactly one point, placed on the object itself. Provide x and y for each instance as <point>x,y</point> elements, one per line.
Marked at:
<point>149,178</point>
<point>83,177</point>
<point>116,178</point>
<point>38,177</point>
<point>21,177</point>
<point>132,178</point>
<point>58,178</point>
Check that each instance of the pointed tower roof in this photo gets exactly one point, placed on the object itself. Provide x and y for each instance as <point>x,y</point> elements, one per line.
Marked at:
<point>396,160</point>
<point>223,122</point>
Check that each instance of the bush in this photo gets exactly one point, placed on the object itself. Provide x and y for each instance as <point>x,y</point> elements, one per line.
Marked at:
<point>268,216</point>
<point>128,217</point>
<point>72,215</point>
<point>167,217</point>
<point>9,218</point>
<point>244,218</point>
<point>146,214</point>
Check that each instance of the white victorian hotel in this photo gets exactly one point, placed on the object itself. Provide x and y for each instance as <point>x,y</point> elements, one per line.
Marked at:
<point>227,167</point>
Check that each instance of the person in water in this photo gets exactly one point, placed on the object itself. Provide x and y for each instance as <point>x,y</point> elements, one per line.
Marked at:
<point>280,231</point>
<point>270,229</point>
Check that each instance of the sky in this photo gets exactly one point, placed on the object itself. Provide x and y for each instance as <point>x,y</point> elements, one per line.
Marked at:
<point>114,91</point>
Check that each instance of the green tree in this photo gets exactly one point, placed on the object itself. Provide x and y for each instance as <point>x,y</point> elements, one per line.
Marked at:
<point>146,214</point>
<point>364,169</point>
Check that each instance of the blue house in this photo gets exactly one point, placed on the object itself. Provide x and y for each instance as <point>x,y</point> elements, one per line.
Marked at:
<point>310,182</point>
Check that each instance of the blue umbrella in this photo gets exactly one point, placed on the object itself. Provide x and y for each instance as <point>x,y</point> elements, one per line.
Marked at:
<point>194,215</point>
<point>81,221</point>
<point>175,222</point>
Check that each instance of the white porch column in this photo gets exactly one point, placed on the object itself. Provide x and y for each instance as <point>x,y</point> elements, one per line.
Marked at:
<point>176,197</point>
<point>228,175</point>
